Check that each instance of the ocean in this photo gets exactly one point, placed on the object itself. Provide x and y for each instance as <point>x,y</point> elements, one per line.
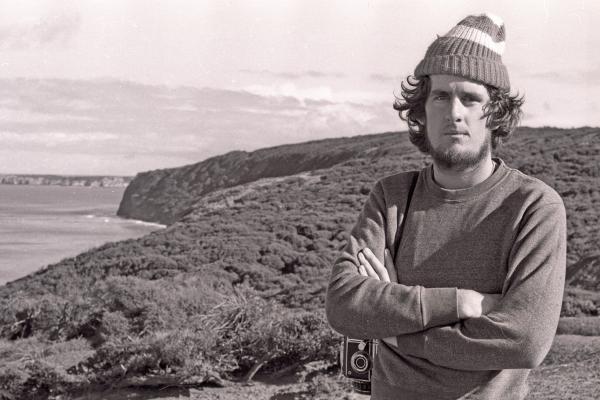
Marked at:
<point>41,225</point>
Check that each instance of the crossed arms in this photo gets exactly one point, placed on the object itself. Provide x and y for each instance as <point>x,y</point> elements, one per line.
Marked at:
<point>469,303</point>
<point>452,327</point>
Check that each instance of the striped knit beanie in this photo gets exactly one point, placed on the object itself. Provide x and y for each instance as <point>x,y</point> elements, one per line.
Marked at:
<point>472,49</point>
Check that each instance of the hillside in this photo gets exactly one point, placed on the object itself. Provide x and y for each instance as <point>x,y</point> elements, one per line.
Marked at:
<point>238,281</point>
<point>565,159</point>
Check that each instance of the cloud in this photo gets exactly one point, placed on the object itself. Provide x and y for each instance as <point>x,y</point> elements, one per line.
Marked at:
<point>40,31</point>
<point>560,114</point>
<point>589,76</point>
<point>56,138</point>
<point>383,78</point>
<point>121,120</point>
<point>289,89</point>
<point>294,75</point>
<point>139,127</point>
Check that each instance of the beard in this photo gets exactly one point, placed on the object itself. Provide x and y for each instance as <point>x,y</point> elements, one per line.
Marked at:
<point>457,160</point>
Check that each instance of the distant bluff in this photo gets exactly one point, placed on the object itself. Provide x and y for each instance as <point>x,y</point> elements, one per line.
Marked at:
<point>165,195</point>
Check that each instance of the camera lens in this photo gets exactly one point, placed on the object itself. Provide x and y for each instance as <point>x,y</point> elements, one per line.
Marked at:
<point>360,361</point>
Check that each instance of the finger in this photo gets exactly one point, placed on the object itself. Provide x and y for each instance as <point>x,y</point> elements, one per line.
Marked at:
<point>370,271</point>
<point>376,265</point>
<point>362,270</point>
<point>367,266</point>
<point>389,265</point>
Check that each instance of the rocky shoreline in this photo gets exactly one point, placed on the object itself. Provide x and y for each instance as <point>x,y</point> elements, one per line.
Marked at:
<point>60,180</point>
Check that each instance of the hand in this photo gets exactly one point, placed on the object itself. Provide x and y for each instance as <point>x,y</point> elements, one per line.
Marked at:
<point>392,341</point>
<point>472,304</point>
<point>371,266</point>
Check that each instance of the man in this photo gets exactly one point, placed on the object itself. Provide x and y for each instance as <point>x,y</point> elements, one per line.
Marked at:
<point>469,300</point>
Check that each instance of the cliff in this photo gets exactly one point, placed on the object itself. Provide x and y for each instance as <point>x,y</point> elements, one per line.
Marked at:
<point>165,195</point>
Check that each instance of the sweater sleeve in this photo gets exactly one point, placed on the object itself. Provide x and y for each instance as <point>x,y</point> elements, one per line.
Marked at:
<point>519,331</point>
<point>363,307</point>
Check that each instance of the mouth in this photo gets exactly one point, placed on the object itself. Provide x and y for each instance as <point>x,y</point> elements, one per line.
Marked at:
<point>453,132</point>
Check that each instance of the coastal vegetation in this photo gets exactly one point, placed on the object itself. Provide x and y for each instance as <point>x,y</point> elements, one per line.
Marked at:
<point>235,285</point>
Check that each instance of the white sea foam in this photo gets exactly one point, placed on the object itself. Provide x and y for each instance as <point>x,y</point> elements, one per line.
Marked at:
<point>146,223</point>
<point>120,220</point>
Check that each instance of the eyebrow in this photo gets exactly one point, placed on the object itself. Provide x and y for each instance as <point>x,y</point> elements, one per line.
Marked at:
<point>462,93</point>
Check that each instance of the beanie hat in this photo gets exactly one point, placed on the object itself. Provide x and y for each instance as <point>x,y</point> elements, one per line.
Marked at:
<point>472,49</point>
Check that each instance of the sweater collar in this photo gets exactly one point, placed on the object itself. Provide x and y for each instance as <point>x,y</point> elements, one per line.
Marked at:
<point>458,195</point>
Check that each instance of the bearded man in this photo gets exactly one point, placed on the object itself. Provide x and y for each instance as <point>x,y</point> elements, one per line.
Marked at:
<point>466,300</point>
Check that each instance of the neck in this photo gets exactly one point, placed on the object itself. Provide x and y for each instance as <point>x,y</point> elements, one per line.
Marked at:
<point>450,178</point>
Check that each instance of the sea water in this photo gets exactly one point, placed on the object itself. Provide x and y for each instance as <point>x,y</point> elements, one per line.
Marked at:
<point>41,225</point>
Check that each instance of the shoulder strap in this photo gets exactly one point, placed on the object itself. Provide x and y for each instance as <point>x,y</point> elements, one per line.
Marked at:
<point>402,217</point>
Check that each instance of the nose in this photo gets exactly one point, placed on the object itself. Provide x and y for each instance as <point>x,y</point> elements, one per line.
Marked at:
<point>455,112</point>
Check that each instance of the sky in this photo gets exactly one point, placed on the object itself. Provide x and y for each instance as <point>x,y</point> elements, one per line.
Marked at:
<point>120,87</point>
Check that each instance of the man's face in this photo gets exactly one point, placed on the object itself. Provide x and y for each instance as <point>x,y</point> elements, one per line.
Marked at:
<point>456,129</point>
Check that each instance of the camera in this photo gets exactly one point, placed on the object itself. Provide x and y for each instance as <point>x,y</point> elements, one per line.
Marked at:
<point>356,359</point>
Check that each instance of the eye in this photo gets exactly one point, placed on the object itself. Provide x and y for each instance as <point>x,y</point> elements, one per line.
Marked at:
<point>439,97</point>
<point>470,99</point>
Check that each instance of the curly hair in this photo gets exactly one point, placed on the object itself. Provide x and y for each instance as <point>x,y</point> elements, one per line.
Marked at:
<point>503,111</point>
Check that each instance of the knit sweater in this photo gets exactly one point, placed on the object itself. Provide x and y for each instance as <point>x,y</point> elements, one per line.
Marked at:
<point>506,235</point>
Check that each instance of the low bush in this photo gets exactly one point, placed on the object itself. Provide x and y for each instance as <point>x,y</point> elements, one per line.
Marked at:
<point>572,349</point>
<point>329,386</point>
<point>576,304</point>
<point>34,369</point>
<point>585,326</point>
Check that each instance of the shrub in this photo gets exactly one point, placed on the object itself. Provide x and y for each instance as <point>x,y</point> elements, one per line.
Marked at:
<point>33,369</point>
<point>258,332</point>
<point>585,326</point>
<point>189,351</point>
<point>574,350</point>
<point>574,306</point>
<point>328,387</point>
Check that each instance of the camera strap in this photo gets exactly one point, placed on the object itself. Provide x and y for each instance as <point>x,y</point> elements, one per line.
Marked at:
<point>402,217</point>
